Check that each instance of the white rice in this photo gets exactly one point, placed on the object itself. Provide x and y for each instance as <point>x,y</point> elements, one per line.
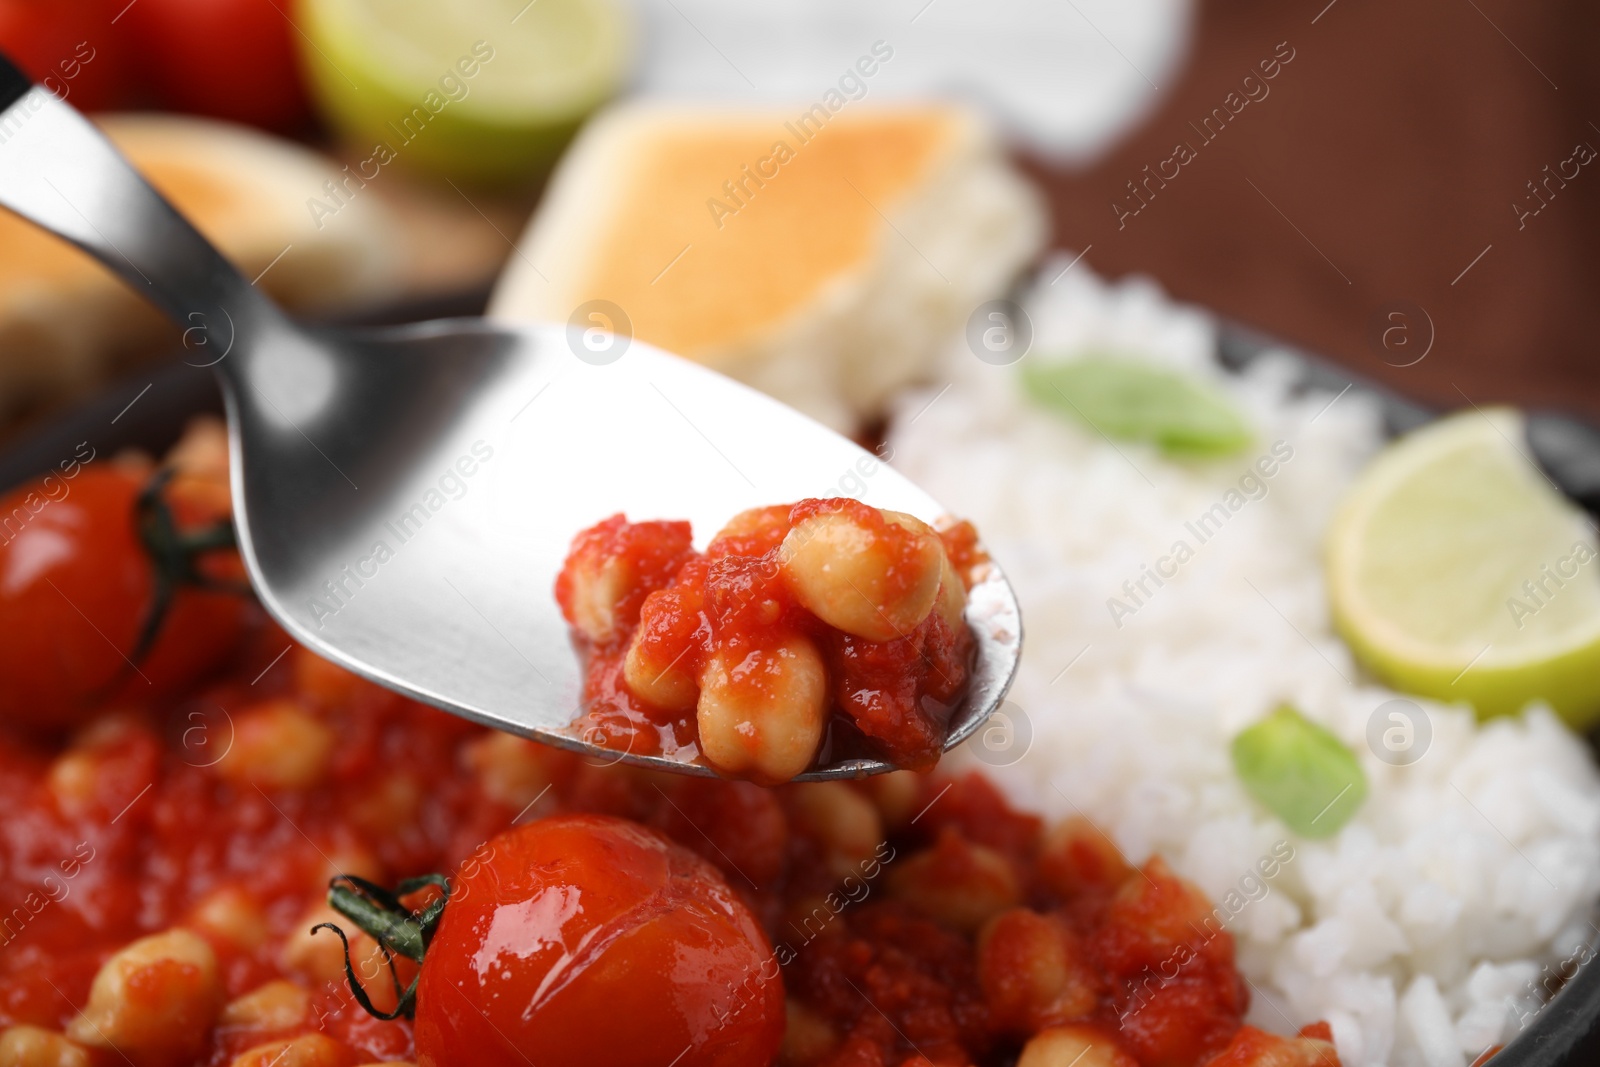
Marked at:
<point>1421,929</point>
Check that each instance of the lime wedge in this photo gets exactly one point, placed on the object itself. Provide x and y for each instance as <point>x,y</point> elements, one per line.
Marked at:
<point>1137,401</point>
<point>1456,571</point>
<point>485,90</point>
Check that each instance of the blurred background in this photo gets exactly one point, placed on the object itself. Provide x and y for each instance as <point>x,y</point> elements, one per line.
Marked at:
<point>1404,188</point>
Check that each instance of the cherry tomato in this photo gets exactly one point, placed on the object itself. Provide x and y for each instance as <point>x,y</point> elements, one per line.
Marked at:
<point>232,59</point>
<point>588,941</point>
<point>76,585</point>
<point>69,46</point>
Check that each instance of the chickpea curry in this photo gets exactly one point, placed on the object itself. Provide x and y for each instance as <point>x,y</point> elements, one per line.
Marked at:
<point>218,850</point>
<point>823,629</point>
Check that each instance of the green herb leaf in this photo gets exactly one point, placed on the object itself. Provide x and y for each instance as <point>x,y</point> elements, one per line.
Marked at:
<point>1137,401</point>
<point>1299,771</point>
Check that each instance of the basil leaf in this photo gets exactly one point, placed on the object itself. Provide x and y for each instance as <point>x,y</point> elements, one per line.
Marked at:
<point>1300,772</point>
<point>1132,400</point>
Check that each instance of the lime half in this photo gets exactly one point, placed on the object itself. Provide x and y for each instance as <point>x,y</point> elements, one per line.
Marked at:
<point>486,90</point>
<point>1456,571</point>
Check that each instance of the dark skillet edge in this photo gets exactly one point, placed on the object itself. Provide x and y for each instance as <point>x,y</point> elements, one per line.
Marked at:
<point>1563,1033</point>
<point>14,84</point>
<point>148,411</point>
<point>1239,346</point>
<point>1566,1031</point>
<point>120,414</point>
<point>1565,446</point>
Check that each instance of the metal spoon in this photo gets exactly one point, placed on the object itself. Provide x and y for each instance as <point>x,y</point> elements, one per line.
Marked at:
<point>405,497</point>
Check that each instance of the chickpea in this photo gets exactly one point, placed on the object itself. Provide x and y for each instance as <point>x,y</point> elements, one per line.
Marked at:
<point>278,745</point>
<point>30,1046</point>
<point>1159,914</point>
<point>952,601</point>
<point>319,957</point>
<point>956,883</point>
<point>896,795</point>
<point>72,780</point>
<point>762,711</point>
<point>808,1037</point>
<point>1076,856</point>
<point>154,1000</point>
<point>276,1006</point>
<point>1074,1046</point>
<point>812,916</point>
<point>1034,972</point>
<point>598,585</point>
<point>511,770</point>
<point>108,730</point>
<point>658,666</point>
<point>347,858</point>
<point>752,532</point>
<point>874,583</point>
<point>1302,1051</point>
<point>76,778</point>
<point>200,459</point>
<point>307,1050</point>
<point>669,686</point>
<point>393,802</point>
<point>203,448</point>
<point>322,682</point>
<point>230,914</point>
<point>840,819</point>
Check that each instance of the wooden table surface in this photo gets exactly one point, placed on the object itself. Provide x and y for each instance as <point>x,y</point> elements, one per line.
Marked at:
<point>1416,167</point>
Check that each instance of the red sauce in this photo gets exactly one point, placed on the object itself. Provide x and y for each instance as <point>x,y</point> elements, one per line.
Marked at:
<point>156,832</point>
<point>881,969</point>
<point>915,920</point>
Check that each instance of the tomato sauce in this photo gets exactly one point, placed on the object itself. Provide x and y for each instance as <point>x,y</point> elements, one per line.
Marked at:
<point>878,971</point>
<point>915,919</point>
<point>133,830</point>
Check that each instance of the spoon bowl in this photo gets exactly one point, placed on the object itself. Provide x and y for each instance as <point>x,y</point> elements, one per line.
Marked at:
<point>404,498</point>
<point>412,524</point>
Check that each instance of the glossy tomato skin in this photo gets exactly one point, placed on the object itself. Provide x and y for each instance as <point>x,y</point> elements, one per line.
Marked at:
<point>231,59</point>
<point>589,941</point>
<point>75,584</point>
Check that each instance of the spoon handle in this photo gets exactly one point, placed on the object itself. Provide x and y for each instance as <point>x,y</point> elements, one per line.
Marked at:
<point>61,173</point>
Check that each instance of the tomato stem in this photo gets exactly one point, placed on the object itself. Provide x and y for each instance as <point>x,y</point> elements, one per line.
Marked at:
<point>398,930</point>
<point>405,999</point>
<point>175,556</point>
